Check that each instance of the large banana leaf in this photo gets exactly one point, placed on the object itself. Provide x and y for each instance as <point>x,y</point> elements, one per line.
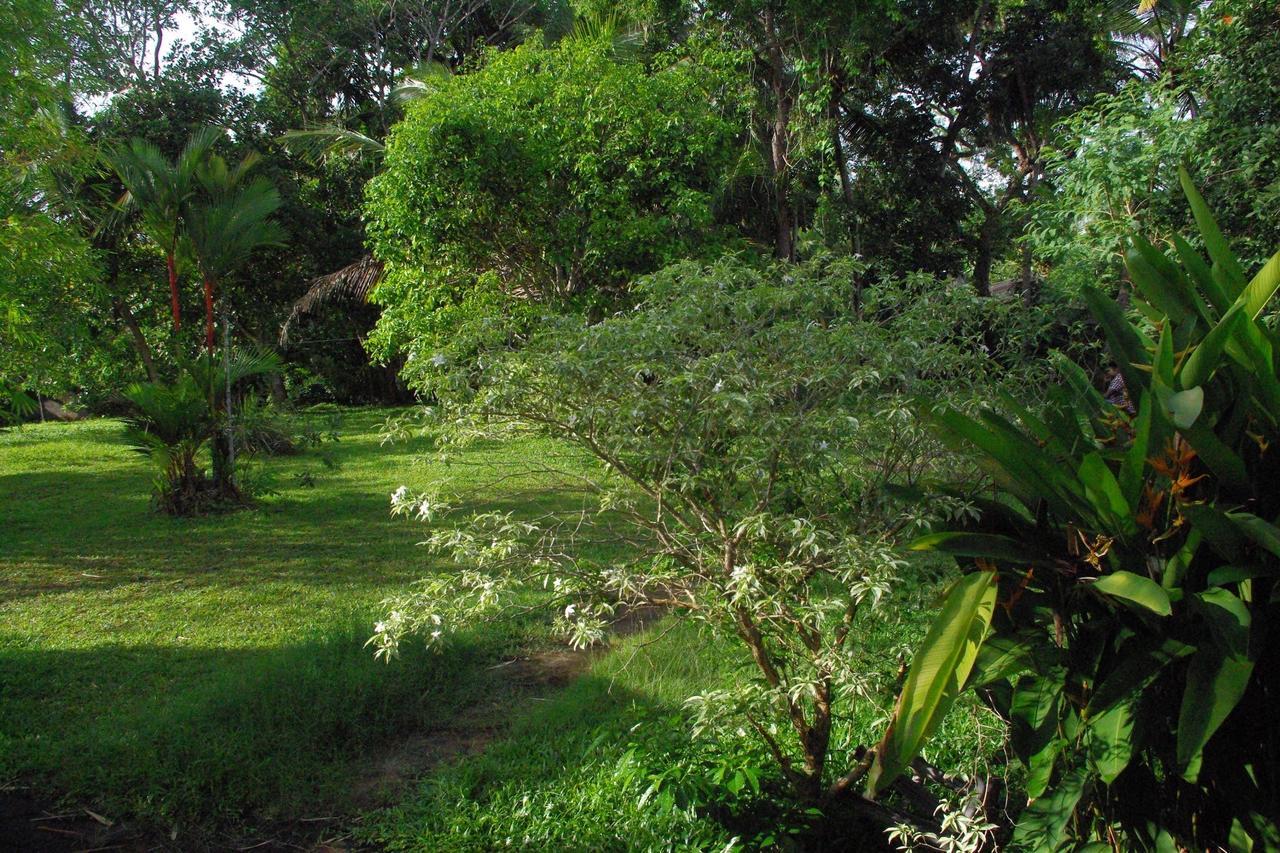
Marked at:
<point>940,667</point>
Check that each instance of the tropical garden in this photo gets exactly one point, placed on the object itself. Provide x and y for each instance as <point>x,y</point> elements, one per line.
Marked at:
<point>640,425</point>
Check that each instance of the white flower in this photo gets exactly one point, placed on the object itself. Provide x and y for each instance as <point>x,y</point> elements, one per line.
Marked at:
<point>380,628</point>
<point>569,611</point>
<point>435,635</point>
<point>719,386</point>
<point>438,360</point>
<point>399,494</point>
<point>435,619</point>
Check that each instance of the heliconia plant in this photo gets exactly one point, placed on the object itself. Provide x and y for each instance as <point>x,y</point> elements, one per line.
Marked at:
<point>1121,592</point>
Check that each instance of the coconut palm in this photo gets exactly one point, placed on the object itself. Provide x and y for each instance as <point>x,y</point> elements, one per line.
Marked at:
<point>230,219</point>
<point>161,189</point>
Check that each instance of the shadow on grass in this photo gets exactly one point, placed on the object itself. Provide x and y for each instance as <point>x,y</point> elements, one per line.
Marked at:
<point>250,736</point>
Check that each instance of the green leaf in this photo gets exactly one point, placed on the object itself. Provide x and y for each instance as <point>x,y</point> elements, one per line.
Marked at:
<point>1125,344</point>
<point>1226,575</point>
<point>1140,664</point>
<point>1181,407</point>
<point>1262,288</point>
<point>1135,459</point>
<point>1199,270</point>
<point>1215,683</point>
<point>1159,281</point>
<point>1033,731</point>
<point>1265,535</point>
<point>960,544</point>
<point>999,658</point>
<point>1218,529</point>
<point>1219,251</point>
<point>1221,459</point>
<point>1204,360</point>
<point>1111,740</point>
<point>1026,467</point>
<point>940,666</point>
<point>1228,619</point>
<point>1075,376</point>
<point>1135,589</point>
<point>1043,826</point>
<point>1102,490</point>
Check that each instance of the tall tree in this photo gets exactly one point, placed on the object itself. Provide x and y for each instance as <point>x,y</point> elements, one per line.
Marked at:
<point>994,79</point>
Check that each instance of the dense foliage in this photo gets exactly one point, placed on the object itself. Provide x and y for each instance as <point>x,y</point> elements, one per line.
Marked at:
<point>723,259</point>
<point>750,425</point>
<point>550,174</point>
<point>1134,548</point>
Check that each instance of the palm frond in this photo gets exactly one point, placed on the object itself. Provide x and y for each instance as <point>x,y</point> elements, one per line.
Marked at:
<point>235,222</point>
<point>318,144</point>
<point>422,80</point>
<point>355,282</point>
<point>211,374</point>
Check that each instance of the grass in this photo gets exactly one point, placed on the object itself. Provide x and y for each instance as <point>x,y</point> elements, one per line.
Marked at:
<point>202,676</point>
<point>609,764</point>
<point>203,672</point>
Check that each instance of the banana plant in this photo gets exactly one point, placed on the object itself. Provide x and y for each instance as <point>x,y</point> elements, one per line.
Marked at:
<point>1133,553</point>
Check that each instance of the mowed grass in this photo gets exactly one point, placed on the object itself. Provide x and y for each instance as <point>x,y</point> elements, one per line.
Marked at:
<point>209,676</point>
<point>202,673</point>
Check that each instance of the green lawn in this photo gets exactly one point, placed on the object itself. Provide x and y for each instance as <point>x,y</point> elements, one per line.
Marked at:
<point>209,671</point>
<point>208,677</point>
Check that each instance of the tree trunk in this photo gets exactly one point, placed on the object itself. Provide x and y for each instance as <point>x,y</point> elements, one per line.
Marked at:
<point>1030,284</point>
<point>846,188</point>
<point>986,247</point>
<point>139,340</point>
<point>208,314</point>
<point>172,265</point>
<point>779,146</point>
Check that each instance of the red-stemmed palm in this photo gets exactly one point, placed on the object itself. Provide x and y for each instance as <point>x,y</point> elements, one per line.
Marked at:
<point>161,190</point>
<point>226,223</point>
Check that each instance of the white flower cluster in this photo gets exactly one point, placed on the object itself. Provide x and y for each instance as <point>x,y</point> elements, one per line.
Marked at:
<point>424,507</point>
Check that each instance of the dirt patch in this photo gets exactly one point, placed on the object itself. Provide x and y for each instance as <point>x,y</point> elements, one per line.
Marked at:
<point>26,824</point>
<point>526,677</point>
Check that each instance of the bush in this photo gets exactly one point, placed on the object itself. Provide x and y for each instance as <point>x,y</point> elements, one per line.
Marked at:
<point>749,423</point>
<point>1127,566</point>
<point>549,174</point>
<point>173,423</point>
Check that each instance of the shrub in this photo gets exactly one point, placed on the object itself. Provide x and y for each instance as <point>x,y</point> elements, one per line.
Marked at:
<point>550,173</point>
<point>1127,567</point>
<point>748,423</point>
<point>173,423</point>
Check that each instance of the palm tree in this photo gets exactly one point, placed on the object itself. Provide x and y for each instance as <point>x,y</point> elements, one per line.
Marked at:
<point>173,422</point>
<point>227,223</point>
<point>161,190</point>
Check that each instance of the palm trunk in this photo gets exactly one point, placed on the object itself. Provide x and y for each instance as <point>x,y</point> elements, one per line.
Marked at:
<point>172,264</point>
<point>208,314</point>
